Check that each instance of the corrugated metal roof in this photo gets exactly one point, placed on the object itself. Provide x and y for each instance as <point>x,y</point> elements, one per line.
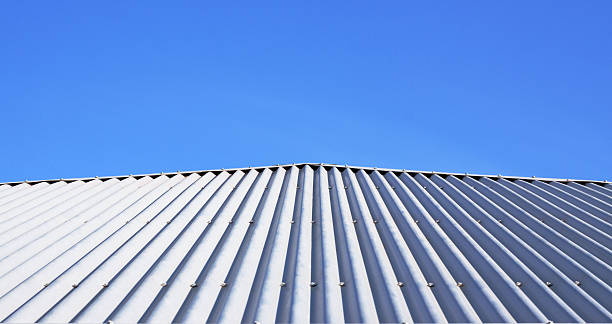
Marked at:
<point>306,243</point>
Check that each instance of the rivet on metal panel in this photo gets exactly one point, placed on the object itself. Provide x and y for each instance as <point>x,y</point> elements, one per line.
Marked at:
<point>437,220</point>
<point>377,187</point>
<point>401,284</point>
<point>341,283</point>
<point>577,283</point>
<point>424,187</point>
<point>313,284</point>
<point>375,221</point>
<point>223,284</point>
<point>478,221</point>
<point>74,285</point>
<point>266,187</point>
<point>329,187</point>
<point>230,221</point>
<point>251,221</point>
<point>256,322</point>
<point>298,187</point>
<point>460,284</point>
<point>209,221</point>
<point>147,222</point>
<point>313,221</point>
<point>282,284</point>
<point>169,221</point>
<point>354,221</point>
<point>518,283</point>
<point>109,322</point>
<point>393,188</point>
<point>564,220</point>
<point>430,284</point>
<point>345,187</point>
<point>163,284</point>
<point>127,221</point>
<point>46,284</point>
<point>193,285</point>
<point>292,221</point>
<point>416,221</point>
<point>104,285</point>
<point>548,284</point>
<point>500,220</point>
<point>441,187</point>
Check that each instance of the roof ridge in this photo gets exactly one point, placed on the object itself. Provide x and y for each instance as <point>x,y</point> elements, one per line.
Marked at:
<point>318,164</point>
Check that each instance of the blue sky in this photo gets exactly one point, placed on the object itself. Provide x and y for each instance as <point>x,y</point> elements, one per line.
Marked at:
<point>106,88</point>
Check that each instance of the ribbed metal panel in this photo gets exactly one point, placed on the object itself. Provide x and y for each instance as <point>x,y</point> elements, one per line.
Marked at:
<point>306,243</point>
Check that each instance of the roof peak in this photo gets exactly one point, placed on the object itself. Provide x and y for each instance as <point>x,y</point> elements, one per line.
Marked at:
<point>312,164</point>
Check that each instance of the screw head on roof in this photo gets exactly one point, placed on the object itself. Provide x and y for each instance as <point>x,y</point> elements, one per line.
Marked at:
<point>377,187</point>
<point>283,284</point>
<point>193,285</point>
<point>460,284</point>
<point>354,221</point>
<point>548,284</point>
<point>292,221</point>
<point>478,221</point>
<point>168,222</point>
<point>345,187</point>
<point>313,284</point>
<point>223,284</point>
<point>518,283</point>
<point>577,283</point>
<point>163,284</point>
<point>341,283</point>
<point>209,221</point>
<point>74,285</point>
<point>230,221</point>
<point>500,220</point>
<point>313,221</point>
<point>416,221</point>
<point>430,284</point>
<point>251,221</point>
<point>104,285</point>
<point>329,187</point>
<point>401,284</point>
<point>46,284</point>
<point>437,220</point>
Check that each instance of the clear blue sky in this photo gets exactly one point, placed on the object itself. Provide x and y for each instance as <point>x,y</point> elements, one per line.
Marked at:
<point>106,88</point>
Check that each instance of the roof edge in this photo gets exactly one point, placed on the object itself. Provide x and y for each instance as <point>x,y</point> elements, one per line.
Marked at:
<point>13,183</point>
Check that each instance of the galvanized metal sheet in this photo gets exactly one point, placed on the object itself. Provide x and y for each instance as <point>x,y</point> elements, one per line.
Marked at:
<point>306,243</point>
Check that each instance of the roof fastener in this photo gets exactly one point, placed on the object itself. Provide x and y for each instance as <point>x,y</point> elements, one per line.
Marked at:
<point>223,284</point>
<point>518,283</point>
<point>393,188</point>
<point>430,284</point>
<point>375,221</point>
<point>230,221</point>
<point>313,221</point>
<point>345,187</point>
<point>46,284</point>
<point>292,221</point>
<point>354,221</point>
<point>341,283</point>
<point>147,222</point>
<point>104,285</point>
<point>75,285</point>
<point>401,284</point>
<point>500,220</point>
<point>163,284</point>
<point>577,283</point>
<point>209,221</point>
<point>437,220</point>
<point>193,285</point>
<point>377,187</point>
<point>313,284</point>
<point>460,284</point>
<point>548,284</point>
<point>168,222</point>
<point>256,322</point>
<point>478,221</point>
<point>283,284</point>
<point>329,187</point>
<point>251,221</point>
<point>416,221</point>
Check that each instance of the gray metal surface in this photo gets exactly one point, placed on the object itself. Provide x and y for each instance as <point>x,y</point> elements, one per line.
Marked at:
<point>306,243</point>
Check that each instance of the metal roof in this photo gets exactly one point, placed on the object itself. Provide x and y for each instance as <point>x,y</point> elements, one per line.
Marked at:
<point>306,243</point>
